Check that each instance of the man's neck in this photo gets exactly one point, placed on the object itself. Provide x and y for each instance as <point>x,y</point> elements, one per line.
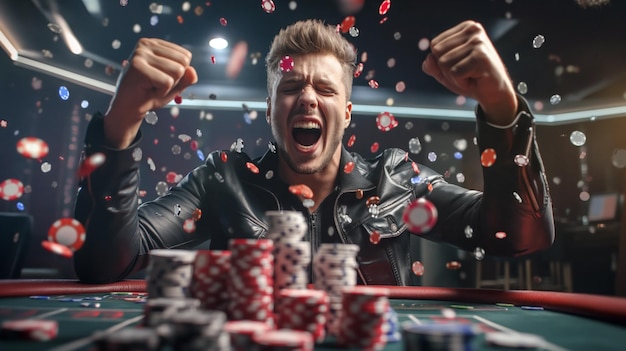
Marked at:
<point>322,183</point>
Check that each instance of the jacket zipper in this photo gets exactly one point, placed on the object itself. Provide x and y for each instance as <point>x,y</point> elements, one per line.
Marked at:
<point>341,234</point>
<point>313,242</point>
<point>529,189</point>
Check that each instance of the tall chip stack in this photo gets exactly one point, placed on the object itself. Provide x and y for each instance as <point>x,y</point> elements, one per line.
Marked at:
<point>292,255</point>
<point>169,273</point>
<point>334,268</point>
<point>209,283</point>
<point>251,280</point>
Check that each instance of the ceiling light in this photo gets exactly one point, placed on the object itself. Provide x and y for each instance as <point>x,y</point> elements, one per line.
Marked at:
<point>218,43</point>
<point>8,46</point>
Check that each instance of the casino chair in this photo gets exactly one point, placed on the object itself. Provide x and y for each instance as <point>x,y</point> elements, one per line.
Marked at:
<point>504,273</point>
<point>15,232</point>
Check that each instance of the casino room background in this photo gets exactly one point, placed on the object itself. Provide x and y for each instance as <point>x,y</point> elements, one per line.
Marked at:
<point>563,58</point>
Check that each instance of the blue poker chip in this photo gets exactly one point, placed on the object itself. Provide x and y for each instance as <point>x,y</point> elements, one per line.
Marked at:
<point>438,336</point>
<point>393,327</point>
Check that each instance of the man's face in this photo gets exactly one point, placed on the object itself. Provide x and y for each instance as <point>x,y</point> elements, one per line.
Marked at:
<point>308,111</point>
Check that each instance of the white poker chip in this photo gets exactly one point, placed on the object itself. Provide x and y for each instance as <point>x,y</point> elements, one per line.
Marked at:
<point>420,216</point>
<point>514,340</point>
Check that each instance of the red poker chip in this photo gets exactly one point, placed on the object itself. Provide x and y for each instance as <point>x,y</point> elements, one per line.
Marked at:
<point>420,216</point>
<point>385,121</point>
<point>301,190</point>
<point>11,189</point>
<point>268,6</point>
<point>384,7</point>
<point>488,157</point>
<point>417,268</point>
<point>285,338</point>
<point>68,232</point>
<point>91,163</point>
<point>30,329</point>
<point>347,23</point>
<point>57,248</point>
<point>32,147</point>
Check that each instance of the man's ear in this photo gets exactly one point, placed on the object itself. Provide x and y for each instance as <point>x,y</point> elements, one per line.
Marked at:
<point>268,110</point>
<point>348,115</point>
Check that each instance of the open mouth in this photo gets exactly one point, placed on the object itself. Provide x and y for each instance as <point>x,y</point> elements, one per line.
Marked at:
<point>306,133</point>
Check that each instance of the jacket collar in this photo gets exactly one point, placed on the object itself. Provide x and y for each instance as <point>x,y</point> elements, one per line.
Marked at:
<point>346,181</point>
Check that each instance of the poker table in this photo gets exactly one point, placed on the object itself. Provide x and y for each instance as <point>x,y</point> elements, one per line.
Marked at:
<point>566,321</point>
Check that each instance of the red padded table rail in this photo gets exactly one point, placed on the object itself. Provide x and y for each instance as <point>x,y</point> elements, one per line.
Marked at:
<point>607,308</point>
<point>27,287</point>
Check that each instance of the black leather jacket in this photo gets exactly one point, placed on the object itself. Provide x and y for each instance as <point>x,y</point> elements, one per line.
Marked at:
<point>233,201</point>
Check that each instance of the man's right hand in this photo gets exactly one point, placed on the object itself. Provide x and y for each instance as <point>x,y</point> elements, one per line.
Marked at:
<point>156,73</point>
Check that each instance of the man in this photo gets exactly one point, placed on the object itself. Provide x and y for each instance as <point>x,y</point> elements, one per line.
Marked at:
<point>308,109</point>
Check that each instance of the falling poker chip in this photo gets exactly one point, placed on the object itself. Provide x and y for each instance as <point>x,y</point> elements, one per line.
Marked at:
<point>32,147</point>
<point>268,6</point>
<point>11,189</point>
<point>301,190</point>
<point>68,232</point>
<point>385,121</point>
<point>384,7</point>
<point>286,64</point>
<point>57,248</point>
<point>420,216</point>
<point>91,163</point>
<point>488,157</point>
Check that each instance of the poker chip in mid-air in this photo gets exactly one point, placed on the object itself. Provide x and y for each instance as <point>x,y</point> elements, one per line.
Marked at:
<point>488,157</point>
<point>11,189</point>
<point>420,216</point>
<point>91,163</point>
<point>68,232</point>
<point>301,190</point>
<point>57,248</point>
<point>385,121</point>
<point>32,147</point>
<point>384,7</point>
<point>268,6</point>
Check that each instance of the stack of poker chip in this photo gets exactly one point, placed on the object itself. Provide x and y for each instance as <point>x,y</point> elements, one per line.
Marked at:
<point>242,332</point>
<point>392,325</point>
<point>283,340</point>
<point>363,319</point>
<point>169,273</point>
<point>334,268</point>
<point>292,256</point>
<point>145,339</point>
<point>438,336</point>
<point>157,310</point>
<point>29,329</point>
<point>251,280</point>
<point>304,310</point>
<point>193,330</point>
<point>209,282</point>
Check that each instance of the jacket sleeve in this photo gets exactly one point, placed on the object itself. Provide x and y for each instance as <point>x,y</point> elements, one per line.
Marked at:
<point>120,232</point>
<point>512,216</point>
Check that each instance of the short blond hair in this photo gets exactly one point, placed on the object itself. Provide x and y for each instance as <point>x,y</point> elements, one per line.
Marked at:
<point>310,37</point>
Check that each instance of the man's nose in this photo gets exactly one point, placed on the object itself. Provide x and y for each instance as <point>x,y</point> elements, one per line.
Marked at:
<point>308,97</point>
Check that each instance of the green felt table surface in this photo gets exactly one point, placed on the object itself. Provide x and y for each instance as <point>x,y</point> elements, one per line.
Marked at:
<point>562,331</point>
